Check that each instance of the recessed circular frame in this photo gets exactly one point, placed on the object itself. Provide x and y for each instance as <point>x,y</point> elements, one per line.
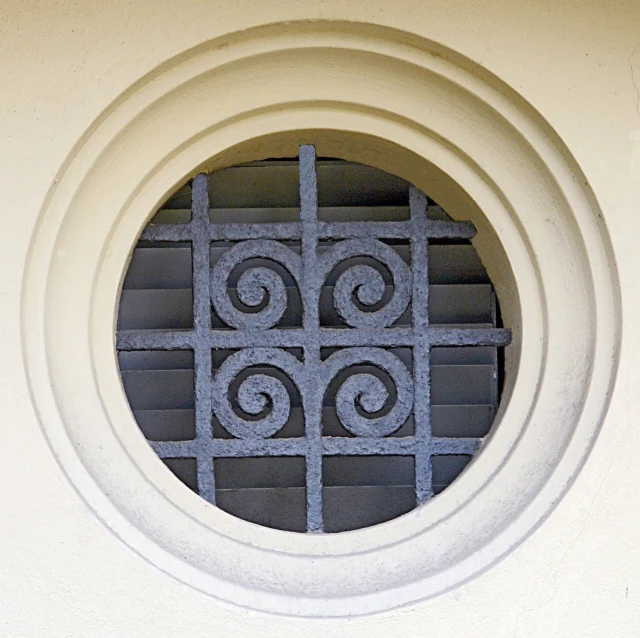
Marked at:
<point>395,102</point>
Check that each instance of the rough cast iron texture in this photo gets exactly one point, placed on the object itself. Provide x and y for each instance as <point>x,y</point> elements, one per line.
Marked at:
<point>259,343</point>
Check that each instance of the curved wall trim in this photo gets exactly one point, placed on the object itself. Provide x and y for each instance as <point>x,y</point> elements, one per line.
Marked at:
<point>379,97</point>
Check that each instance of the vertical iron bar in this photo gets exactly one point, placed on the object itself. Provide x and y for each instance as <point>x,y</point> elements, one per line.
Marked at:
<point>201,257</point>
<point>421,350</point>
<point>310,294</point>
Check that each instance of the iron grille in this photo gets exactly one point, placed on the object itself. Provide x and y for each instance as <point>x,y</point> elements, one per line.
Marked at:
<point>309,357</point>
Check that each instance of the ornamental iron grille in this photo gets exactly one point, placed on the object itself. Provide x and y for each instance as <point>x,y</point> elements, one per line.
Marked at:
<point>253,404</point>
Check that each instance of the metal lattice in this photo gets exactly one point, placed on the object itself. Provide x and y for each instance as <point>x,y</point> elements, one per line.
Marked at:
<point>256,340</point>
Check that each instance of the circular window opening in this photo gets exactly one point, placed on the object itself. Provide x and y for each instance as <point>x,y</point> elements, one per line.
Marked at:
<point>310,344</point>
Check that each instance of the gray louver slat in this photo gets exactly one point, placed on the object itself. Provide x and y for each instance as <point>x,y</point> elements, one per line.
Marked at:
<point>173,389</point>
<point>448,421</point>
<point>170,267</point>
<point>173,308</point>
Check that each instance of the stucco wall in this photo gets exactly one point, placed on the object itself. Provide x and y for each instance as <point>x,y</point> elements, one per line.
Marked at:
<point>64,573</point>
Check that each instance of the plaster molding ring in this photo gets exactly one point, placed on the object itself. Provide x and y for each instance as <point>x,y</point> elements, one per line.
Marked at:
<point>412,557</point>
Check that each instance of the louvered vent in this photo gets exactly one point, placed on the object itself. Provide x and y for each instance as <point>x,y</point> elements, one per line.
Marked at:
<point>358,487</point>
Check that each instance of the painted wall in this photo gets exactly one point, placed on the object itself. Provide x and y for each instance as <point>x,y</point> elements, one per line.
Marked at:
<point>64,571</point>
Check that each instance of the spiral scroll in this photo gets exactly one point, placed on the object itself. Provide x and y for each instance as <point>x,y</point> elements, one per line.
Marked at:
<point>367,284</point>
<point>255,285</point>
<point>367,391</point>
<point>255,393</point>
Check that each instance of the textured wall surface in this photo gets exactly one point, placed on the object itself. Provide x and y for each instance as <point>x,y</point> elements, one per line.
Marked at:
<point>64,573</point>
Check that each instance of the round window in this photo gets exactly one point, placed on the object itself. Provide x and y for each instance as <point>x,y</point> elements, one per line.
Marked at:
<point>312,344</point>
<point>298,360</point>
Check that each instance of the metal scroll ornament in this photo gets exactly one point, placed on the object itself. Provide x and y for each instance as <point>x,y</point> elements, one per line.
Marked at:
<point>251,392</point>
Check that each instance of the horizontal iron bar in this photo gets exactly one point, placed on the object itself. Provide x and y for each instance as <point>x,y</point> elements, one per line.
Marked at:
<point>222,232</point>
<point>167,232</point>
<point>469,336</point>
<point>437,229</point>
<point>228,448</point>
<point>341,446</point>
<point>331,446</point>
<point>296,338</point>
<point>381,337</point>
<point>155,340</point>
<point>259,447</point>
<point>448,446</point>
<point>433,229</point>
<point>370,230</point>
<point>284,230</point>
<point>182,449</point>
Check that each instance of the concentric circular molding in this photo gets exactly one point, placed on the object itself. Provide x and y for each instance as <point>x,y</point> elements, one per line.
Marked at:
<point>382,98</point>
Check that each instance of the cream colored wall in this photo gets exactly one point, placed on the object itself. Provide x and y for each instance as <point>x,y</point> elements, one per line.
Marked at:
<point>64,573</point>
